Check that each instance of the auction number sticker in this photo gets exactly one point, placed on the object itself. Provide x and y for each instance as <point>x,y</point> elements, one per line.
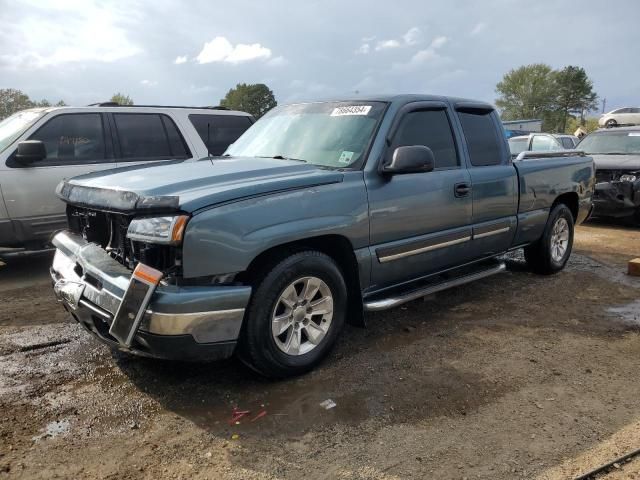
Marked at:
<point>345,157</point>
<point>351,110</point>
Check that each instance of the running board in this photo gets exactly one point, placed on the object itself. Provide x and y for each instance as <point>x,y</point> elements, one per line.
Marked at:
<point>394,301</point>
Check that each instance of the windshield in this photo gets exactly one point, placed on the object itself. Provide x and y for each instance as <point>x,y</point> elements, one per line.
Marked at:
<point>518,145</point>
<point>620,143</point>
<point>14,126</point>
<point>332,134</point>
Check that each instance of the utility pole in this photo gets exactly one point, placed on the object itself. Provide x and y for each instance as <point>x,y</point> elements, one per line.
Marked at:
<point>604,104</point>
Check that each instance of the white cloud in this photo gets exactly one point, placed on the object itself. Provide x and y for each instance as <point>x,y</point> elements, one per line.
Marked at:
<point>90,32</point>
<point>438,42</point>
<point>221,50</point>
<point>148,83</point>
<point>387,44</point>
<point>180,60</point>
<point>427,56</point>
<point>363,49</point>
<point>279,61</point>
<point>413,36</point>
<point>479,28</point>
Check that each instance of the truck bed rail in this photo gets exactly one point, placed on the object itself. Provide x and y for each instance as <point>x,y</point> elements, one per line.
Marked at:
<point>527,155</point>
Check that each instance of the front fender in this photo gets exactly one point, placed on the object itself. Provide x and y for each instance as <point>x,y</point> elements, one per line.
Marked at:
<point>226,238</point>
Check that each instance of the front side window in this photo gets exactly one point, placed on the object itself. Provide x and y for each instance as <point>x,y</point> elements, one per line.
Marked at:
<point>219,131</point>
<point>567,143</point>
<point>481,136</point>
<point>12,127</point>
<point>430,128</point>
<point>144,136</point>
<point>73,138</point>
<point>329,134</point>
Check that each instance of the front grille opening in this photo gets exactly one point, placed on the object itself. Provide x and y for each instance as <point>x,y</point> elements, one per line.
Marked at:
<point>109,230</point>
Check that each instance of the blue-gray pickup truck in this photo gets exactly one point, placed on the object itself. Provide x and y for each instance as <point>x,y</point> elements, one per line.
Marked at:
<point>315,215</point>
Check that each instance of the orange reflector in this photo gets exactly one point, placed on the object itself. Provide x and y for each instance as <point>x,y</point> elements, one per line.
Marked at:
<point>147,274</point>
<point>178,228</point>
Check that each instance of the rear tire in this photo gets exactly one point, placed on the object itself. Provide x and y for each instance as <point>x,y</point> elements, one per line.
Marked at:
<point>550,254</point>
<point>304,297</point>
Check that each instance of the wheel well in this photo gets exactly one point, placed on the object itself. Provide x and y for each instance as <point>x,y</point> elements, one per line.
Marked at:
<point>337,247</point>
<point>570,199</point>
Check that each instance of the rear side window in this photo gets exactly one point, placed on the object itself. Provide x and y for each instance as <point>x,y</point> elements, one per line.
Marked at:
<point>567,143</point>
<point>148,136</point>
<point>73,138</point>
<point>481,136</point>
<point>430,128</point>
<point>220,130</point>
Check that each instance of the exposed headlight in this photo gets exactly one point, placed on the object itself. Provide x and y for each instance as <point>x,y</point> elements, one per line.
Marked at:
<point>162,230</point>
<point>628,177</point>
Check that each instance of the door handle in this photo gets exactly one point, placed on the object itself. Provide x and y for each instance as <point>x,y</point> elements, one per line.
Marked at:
<point>462,189</point>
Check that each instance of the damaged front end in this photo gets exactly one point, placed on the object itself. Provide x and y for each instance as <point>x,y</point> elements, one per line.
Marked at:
<point>617,193</point>
<point>105,217</point>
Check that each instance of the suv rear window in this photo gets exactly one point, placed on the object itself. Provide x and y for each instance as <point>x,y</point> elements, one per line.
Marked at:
<point>482,138</point>
<point>148,136</point>
<point>223,130</point>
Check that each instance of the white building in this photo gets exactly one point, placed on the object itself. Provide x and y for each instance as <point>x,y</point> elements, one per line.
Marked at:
<point>523,125</point>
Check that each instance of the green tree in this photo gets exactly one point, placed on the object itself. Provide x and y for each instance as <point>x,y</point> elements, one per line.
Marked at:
<point>529,92</point>
<point>256,99</point>
<point>575,95</point>
<point>121,99</point>
<point>589,124</point>
<point>12,101</point>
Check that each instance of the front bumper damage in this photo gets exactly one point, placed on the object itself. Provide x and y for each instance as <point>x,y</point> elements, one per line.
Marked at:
<point>616,198</point>
<point>185,323</point>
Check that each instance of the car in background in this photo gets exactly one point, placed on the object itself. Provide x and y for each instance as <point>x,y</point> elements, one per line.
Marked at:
<point>620,116</point>
<point>616,153</point>
<point>541,142</point>
<point>42,146</point>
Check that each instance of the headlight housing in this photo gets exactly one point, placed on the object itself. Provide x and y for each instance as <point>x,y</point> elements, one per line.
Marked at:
<point>628,177</point>
<point>159,230</point>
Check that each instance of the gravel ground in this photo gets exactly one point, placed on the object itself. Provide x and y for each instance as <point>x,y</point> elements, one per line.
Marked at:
<point>516,376</point>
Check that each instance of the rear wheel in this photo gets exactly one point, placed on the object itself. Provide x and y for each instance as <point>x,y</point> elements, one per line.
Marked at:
<point>295,315</point>
<point>550,254</point>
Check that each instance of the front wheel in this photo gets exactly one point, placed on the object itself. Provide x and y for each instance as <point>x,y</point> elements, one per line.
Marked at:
<point>611,123</point>
<point>295,315</point>
<point>550,254</point>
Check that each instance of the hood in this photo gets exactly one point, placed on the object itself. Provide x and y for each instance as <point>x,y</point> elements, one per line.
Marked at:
<point>617,162</point>
<point>191,185</point>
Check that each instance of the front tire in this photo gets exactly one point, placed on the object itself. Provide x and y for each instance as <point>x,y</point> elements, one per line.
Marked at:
<point>611,123</point>
<point>295,315</point>
<point>550,254</point>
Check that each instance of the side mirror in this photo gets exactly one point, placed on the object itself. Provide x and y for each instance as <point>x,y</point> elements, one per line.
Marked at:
<point>31,151</point>
<point>410,159</point>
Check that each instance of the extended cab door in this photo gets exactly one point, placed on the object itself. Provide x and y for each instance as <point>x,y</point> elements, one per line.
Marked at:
<point>420,222</point>
<point>76,143</point>
<point>494,180</point>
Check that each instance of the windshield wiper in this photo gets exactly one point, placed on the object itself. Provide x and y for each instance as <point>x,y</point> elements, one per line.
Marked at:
<point>281,157</point>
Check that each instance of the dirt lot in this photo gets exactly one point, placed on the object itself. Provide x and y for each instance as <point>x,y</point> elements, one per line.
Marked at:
<point>518,376</point>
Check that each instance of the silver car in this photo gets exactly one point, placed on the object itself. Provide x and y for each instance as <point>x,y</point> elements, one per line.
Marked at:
<point>541,142</point>
<point>42,146</point>
<point>621,116</point>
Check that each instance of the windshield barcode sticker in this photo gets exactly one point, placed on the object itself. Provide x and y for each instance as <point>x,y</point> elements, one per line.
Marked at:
<point>351,110</point>
<point>634,134</point>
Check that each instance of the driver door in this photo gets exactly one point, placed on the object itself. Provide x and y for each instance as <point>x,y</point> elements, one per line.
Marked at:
<point>420,223</point>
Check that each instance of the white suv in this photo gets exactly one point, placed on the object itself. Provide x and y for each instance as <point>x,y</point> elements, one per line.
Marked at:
<point>42,146</point>
<point>621,116</point>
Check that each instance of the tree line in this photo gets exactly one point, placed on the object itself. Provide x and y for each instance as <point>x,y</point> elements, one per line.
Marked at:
<point>560,98</point>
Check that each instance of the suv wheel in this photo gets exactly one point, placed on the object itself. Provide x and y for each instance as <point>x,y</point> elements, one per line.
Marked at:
<point>295,315</point>
<point>551,253</point>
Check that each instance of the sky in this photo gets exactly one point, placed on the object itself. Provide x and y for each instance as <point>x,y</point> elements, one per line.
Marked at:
<point>193,52</point>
